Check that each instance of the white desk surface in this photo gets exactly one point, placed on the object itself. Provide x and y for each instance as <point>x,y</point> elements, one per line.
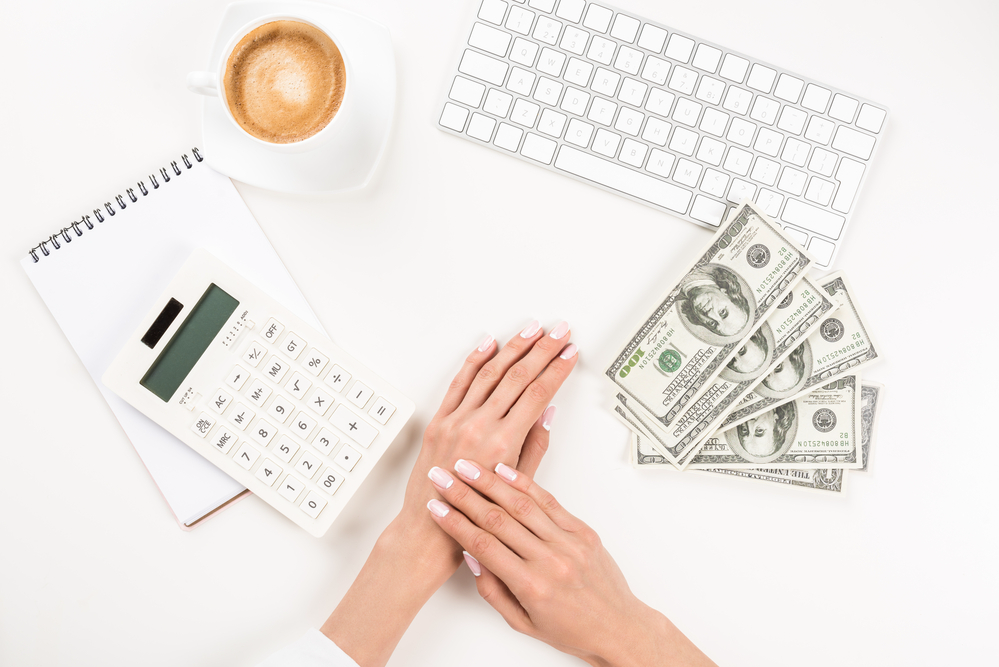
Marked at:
<point>452,241</point>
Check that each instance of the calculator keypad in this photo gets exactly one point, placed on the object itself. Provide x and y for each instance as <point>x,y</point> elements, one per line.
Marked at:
<point>303,427</point>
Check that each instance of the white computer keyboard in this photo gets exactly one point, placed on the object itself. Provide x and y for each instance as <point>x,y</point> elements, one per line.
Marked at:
<point>662,117</point>
<point>258,392</point>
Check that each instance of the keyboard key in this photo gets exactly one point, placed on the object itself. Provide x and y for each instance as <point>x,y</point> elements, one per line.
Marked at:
<point>628,60</point>
<point>788,88</point>
<point>347,457</point>
<point>601,50</point>
<point>765,171</point>
<point>579,133</point>
<point>652,38</point>
<point>765,110</point>
<point>819,191</point>
<point>325,442</point>
<point>796,235</point>
<point>268,472</point>
<point>254,354</point>
<point>574,40</point>
<point>687,112</point>
<point>623,179</point>
<point>656,131</point>
<point>708,210</point>
<point>453,117</point>
<point>602,111</point>
<point>552,123</point>
<point>792,120</point>
<point>740,190</point>
<point>262,432</point>
<point>734,68</point>
<point>280,409</point>
<point>738,161</point>
<point>633,92</point>
<point>687,173</point>
<point>381,411</point>
<point>629,121</point>
<point>769,201</point>
<point>237,377</point>
<point>768,142</point>
<point>706,58</point>
<point>714,122</point>
<point>792,181</point>
<point>683,141</point>
<point>598,18</point>
<point>795,151</point>
<point>710,90</point>
<point>258,393</point>
<point>853,143</point>
<point>655,70</point>
<point>520,20</point>
<point>224,440</point>
<point>524,52</point>
<point>354,427</point>
<point>492,11</point>
<point>521,81</point>
<point>291,488</point>
<point>315,361</point>
<point>714,183</point>
<point>574,101</point>
<point>544,5</point>
<point>737,100</point>
<point>822,249</point>
<point>870,118</point>
<point>761,78</point>
<point>285,449</point>
<point>302,424</point>
<point>466,91</point>
<point>489,39</point>
<point>812,218</point>
<point>313,504</point>
<point>551,62</point>
<point>660,162</point>
<point>819,130</point>
<point>570,10</point>
<point>246,456</point>
<point>578,72</point>
<point>307,465</point>
<point>849,174</point>
<point>275,369</point>
<point>241,416</point>
<point>682,80</point>
<point>497,103</point>
<point>822,162</point>
<point>547,30</point>
<point>606,143</point>
<point>337,378</point>
<point>843,108</point>
<point>711,151</point>
<point>272,330</point>
<point>816,98</point>
<point>319,401</point>
<point>660,102</point>
<point>220,401</point>
<point>679,48</point>
<point>625,28</point>
<point>482,67</point>
<point>481,127</point>
<point>741,132</point>
<point>298,385</point>
<point>525,113</point>
<point>548,91</point>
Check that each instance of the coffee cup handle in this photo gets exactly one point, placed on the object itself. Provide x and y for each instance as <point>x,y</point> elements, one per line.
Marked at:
<point>202,83</point>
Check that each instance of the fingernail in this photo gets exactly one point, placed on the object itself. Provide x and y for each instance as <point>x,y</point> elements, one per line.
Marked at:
<point>547,418</point>
<point>466,469</point>
<point>569,352</point>
<point>440,478</point>
<point>506,472</point>
<point>486,344</point>
<point>530,329</point>
<point>560,330</point>
<point>438,508</point>
<point>473,564</point>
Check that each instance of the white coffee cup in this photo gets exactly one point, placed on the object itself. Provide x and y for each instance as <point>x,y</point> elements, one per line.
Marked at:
<point>212,84</point>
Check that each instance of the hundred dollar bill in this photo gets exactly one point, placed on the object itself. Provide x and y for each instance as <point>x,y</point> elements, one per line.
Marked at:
<point>746,271</point>
<point>818,430</point>
<point>841,344</point>
<point>871,397</point>
<point>791,322</point>
<point>829,479</point>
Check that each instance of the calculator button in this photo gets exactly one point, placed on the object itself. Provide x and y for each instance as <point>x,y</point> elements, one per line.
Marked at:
<point>298,385</point>
<point>290,488</point>
<point>272,330</point>
<point>286,448</point>
<point>258,393</point>
<point>313,504</point>
<point>293,345</point>
<point>352,425</point>
<point>359,394</point>
<point>281,408</point>
<point>320,401</point>
<point>330,480</point>
<point>203,424</point>
<point>220,401</point>
<point>275,368</point>
<point>241,416</point>
<point>337,378</point>
<point>325,442</point>
<point>246,456</point>
<point>237,378</point>
<point>262,432</point>
<point>381,410</point>
<point>308,464</point>
<point>302,424</point>
<point>224,440</point>
<point>268,472</point>
<point>254,353</point>
<point>315,361</point>
<point>347,457</point>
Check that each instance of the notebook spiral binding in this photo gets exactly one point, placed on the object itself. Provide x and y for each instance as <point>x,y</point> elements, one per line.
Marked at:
<point>77,226</point>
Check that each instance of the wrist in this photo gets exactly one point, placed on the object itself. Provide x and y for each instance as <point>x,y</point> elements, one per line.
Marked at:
<point>413,535</point>
<point>647,637</point>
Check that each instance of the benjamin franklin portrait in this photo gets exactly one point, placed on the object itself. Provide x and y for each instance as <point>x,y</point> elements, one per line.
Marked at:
<point>765,437</point>
<point>753,358</point>
<point>789,376</point>
<point>716,305</point>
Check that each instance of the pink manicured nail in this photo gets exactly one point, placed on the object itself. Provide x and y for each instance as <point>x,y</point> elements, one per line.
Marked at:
<point>560,330</point>
<point>466,469</point>
<point>506,472</point>
<point>531,329</point>
<point>473,564</point>
<point>569,352</point>
<point>486,344</point>
<point>440,478</point>
<point>547,418</point>
<point>438,508</point>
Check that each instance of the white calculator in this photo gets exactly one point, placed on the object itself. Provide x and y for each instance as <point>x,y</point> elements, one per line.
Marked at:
<point>258,392</point>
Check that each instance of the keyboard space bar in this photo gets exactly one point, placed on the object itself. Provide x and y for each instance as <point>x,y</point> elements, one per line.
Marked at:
<point>620,178</point>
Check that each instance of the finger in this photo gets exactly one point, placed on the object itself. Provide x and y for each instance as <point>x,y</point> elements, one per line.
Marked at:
<point>536,397</point>
<point>523,483</point>
<point>515,507</point>
<point>463,380</point>
<point>490,374</point>
<point>498,595</point>
<point>536,443</point>
<point>521,374</point>
<point>486,515</point>
<point>484,546</point>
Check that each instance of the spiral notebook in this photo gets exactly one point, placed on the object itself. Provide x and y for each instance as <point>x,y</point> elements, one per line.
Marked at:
<point>99,275</point>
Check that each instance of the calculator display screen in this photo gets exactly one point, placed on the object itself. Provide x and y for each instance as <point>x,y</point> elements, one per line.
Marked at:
<point>191,340</point>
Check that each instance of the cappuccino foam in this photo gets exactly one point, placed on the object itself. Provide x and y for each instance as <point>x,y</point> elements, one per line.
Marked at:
<point>284,81</point>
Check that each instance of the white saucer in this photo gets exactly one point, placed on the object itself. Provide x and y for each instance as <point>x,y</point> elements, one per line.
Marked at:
<point>346,160</point>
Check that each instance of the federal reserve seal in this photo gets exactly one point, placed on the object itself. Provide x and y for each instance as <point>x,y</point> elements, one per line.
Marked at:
<point>758,256</point>
<point>832,330</point>
<point>669,361</point>
<point>824,420</point>
<point>787,300</point>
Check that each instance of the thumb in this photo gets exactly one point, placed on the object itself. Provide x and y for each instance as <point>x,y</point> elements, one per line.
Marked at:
<point>536,443</point>
<point>498,595</point>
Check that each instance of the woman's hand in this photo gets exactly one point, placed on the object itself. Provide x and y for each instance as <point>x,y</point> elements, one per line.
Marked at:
<point>547,573</point>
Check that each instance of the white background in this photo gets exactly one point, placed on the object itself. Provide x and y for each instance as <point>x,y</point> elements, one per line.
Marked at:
<point>452,241</point>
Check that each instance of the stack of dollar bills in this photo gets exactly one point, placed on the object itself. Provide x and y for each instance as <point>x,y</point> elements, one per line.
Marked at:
<point>750,366</point>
